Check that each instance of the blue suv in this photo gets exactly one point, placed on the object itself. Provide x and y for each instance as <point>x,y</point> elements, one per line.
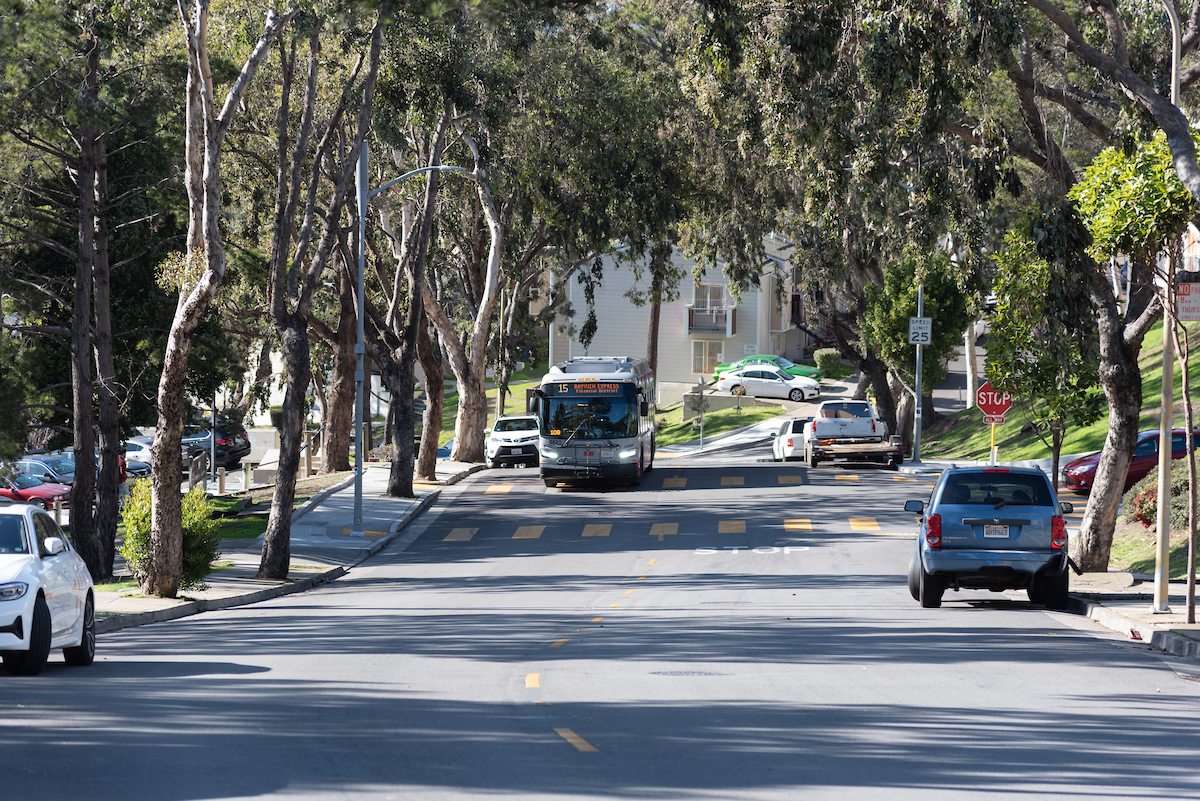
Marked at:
<point>991,528</point>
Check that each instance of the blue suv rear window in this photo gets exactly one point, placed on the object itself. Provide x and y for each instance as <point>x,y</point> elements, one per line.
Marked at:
<point>993,488</point>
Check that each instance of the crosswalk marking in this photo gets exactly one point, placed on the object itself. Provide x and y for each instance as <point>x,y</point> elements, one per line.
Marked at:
<point>791,479</point>
<point>731,527</point>
<point>662,530</point>
<point>575,740</point>
<point>528,532</point>
<point>675,482</point>
<point>597,529</point>
<point>559,643</point>
<point>498,488</point>
<point>733,481</point>
<point>461,534</point>
<point>863,524</point>
<point>799,524</point>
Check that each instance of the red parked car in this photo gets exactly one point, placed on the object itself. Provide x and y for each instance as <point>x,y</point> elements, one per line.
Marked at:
<point>1079,474</point>
<point>26,489</point>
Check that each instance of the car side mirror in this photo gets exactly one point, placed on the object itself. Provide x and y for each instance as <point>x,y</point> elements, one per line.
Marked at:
<point>53,546</point>
<point>914,506</point>
<point>1065,508</point>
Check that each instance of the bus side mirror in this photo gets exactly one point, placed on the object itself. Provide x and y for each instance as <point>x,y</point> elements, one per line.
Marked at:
<point>645,410</point>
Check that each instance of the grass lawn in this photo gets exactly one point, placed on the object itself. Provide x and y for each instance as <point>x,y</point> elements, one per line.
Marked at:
<point>1133,550</point>
<point>673,430</point>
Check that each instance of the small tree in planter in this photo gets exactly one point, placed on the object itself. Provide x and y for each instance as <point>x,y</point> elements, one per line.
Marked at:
<point>200,535</point>
<point>828,360</point>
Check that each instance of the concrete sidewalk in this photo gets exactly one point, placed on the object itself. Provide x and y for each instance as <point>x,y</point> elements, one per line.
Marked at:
<point>323,546</point>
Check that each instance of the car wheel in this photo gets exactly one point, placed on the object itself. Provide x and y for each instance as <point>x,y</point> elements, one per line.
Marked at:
<point>492,464</point>
<point>31,662</point>
<point>796,395</point>
<point>929,589</point>
<point>83,654</point>
<point>1055,590</point>
<point>1034,591</point>
<point>810,457</point>
<point>914,577</point>
<point>737,389</point>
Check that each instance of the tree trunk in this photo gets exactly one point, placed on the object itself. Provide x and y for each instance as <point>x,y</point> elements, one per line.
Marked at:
<point>276,552</point>
<point>108,403</point>
<point>335,450</point>
<point>652,335</point>
<point>430,357</point>
<point>262,374</point>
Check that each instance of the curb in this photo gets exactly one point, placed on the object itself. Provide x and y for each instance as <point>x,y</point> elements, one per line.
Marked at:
<point>1145,632</point>
<point>105,625</point>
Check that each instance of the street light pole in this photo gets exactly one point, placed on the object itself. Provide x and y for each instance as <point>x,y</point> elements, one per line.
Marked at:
<point>1162,556</point>
<point>364,195</point>
<point>916,457</point>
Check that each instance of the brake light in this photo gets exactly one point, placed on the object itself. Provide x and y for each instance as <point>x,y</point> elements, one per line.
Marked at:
<point>933,531</point>
<point>789,442</point>
<point>995,469</point>
<point>1058,533</point>
<point>223,441</point>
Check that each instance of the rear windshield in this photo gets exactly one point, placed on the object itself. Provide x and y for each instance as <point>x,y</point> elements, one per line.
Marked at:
<point>843,410</point>
<point>1008,489</point>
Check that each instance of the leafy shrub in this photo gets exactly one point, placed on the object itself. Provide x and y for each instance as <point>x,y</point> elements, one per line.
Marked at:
<point>827,359</point>
<point>200,535</point>
<point>1141,501</point>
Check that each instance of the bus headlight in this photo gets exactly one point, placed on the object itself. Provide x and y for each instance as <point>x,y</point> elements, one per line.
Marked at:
<point>627,453</point>
<point>548,454</point>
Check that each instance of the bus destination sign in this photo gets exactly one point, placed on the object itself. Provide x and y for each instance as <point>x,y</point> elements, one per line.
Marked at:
<point>585,388</point>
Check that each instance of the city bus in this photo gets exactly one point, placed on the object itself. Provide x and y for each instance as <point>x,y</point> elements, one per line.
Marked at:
<point>596,419</point>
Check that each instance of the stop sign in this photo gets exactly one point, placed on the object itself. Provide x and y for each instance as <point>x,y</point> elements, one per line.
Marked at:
<point>991,402</point>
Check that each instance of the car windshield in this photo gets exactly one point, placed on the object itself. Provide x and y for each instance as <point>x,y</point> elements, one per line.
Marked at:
<point>24,481</point>
<point>781,376</point>
<point>784,363</point>
<point>997,490</point>
<point>515,425</point>
<point>12,535</point>
<point>60,465</point>
<point>590,418</point>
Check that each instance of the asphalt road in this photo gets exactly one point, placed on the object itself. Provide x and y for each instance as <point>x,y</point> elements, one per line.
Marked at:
<point>733,629</point>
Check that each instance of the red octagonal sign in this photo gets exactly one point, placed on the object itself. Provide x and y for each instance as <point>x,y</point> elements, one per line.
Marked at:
<point>991,402</point>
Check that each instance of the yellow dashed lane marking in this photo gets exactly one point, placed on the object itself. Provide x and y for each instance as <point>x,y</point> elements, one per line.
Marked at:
<point>662,530</point>
<point>628,592</point>
<point>863,524</point>
<point>731,527</point>
<point>652,561</point>
<point>559,643</point>
<point>903,478</point>
<point>533,680</point>
<point>597,619</point>
<point>800,524</point>
<point>498,488</point>
<point>791,479</point>
<point>675,483</point>
<point>641,578</point>
<point>850,477</point>
<point>597,529</point>
<point>461,534</point>
<point>612,605</point>
<point>575,740</point>
<point>733,481</point>
<point>528,532</point>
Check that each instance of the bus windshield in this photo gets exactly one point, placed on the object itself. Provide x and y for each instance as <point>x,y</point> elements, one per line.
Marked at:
<point>589,418</point>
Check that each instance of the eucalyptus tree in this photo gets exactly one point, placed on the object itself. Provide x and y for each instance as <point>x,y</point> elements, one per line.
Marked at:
<point>83,132</point>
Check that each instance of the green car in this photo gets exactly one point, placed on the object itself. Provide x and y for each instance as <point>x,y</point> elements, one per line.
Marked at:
<point>773,361</point>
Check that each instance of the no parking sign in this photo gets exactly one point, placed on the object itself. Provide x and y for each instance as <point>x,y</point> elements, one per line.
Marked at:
<point>1187,296</point>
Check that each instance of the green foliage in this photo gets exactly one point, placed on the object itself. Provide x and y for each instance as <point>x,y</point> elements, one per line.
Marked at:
<point>1133,203</point>
<point>200,535</point>
<point>1042,345</point>
<point>827,360</point>
<point>1141,501</point>
<point>885,321</point>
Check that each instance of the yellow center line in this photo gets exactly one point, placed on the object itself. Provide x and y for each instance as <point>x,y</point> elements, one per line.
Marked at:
<point>863,524</point>
<point>461,535</point>
<point>652,561</point>
<point>799,524</point>
<point>661,530</point>
<point>528,532</point>
<point>903,478</point>
<point>629,592</point>
<point>612,605</point>
<point>675,483</point>
<point>791,479</point>
<point>533,681</point>
<point>498,488</point>
<point>731,527</point>
<point>575,740</point>
<point>850,477</point>
<point>597,529</point>
<point>559,643</point>
<point>597,619</point>
<point>641,578</point>
<point>733,481</point>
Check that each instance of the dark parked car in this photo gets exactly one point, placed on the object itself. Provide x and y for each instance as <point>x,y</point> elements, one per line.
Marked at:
<point>1079,474</point>
<point>991,528</point>
<point>233,444</point>
<point>55,469</point>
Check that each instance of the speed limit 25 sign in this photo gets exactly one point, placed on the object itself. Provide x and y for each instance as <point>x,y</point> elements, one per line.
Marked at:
<point>920,330</point>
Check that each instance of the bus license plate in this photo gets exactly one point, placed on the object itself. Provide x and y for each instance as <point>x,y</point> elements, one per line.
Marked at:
<point>995,532</point>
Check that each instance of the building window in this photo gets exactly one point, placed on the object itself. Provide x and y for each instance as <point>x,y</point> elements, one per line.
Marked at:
<point>710,296</point>
<point>706,355</point>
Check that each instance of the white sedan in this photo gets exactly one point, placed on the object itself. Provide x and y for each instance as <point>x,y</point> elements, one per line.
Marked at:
<point>768,383</point>
<point>46,594</point>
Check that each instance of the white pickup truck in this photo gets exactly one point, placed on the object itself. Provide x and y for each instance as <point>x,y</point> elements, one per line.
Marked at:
<point>849,431</point>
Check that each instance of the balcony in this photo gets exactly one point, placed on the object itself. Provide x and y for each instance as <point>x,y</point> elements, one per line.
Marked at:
<point>712,320</point>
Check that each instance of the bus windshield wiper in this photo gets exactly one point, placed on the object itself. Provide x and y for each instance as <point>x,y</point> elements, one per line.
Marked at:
<point>586,416</point>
